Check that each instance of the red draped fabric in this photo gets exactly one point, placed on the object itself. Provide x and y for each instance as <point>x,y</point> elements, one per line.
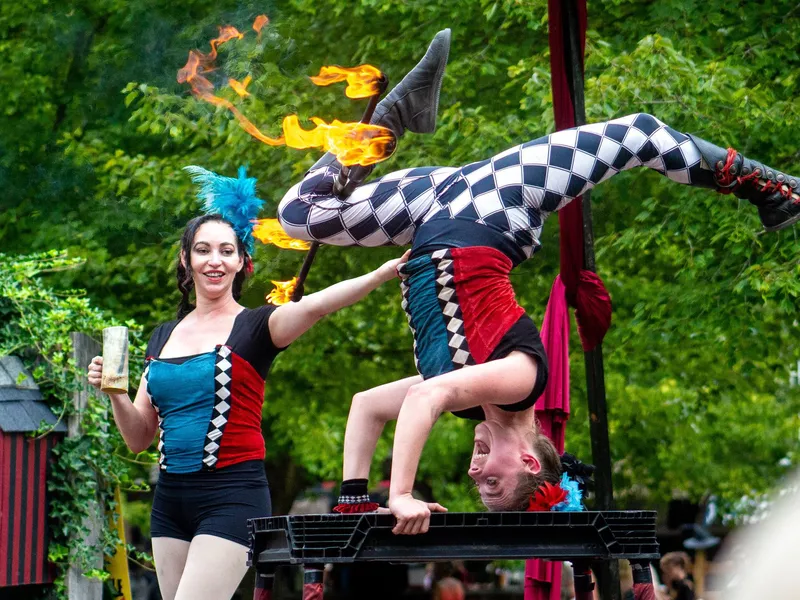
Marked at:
<point>312,591</point>
<point>644,591</point>
<point>543,577</point>
<point>575,286</point>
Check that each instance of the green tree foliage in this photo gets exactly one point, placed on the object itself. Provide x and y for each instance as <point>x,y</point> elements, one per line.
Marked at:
<point>96,130</point>
<point>37,323</point>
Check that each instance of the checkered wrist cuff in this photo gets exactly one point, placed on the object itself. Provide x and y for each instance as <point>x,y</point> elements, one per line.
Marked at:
<point>363,499</point>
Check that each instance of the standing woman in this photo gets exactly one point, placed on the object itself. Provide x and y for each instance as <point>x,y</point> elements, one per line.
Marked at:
<point>202,389</point>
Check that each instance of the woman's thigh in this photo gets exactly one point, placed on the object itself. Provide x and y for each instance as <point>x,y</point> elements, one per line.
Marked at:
<point>214,568</point>
<point>169,555</point>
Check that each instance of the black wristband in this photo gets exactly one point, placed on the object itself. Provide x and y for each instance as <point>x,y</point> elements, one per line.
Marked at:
<point>353,491</point>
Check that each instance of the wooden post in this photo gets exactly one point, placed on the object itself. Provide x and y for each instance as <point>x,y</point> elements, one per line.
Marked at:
<point>79,587</point>
<point>607,571</point>
<point>699,573</point>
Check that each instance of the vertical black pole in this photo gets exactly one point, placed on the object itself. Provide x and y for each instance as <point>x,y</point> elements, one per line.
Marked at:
<point>608,572</point>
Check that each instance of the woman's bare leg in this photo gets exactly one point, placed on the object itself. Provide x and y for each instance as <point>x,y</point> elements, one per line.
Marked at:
<point>169,555</point>
<point>214,569</point>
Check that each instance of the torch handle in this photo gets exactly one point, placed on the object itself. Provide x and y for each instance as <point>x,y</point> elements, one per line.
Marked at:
<point>383,83</point>
<point>301,276</point>
<point>299,289</point>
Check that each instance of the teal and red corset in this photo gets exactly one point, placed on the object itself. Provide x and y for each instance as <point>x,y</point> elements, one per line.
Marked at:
<point>209,410</point>
<point>460,304</point>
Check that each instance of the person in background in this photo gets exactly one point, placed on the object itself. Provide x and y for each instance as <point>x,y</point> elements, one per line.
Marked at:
<point>567,582</point>
<point>675,569</point>
<point>449,588</point>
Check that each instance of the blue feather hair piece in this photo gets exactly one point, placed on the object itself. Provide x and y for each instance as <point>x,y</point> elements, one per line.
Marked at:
<point>574,499</point>
<point>234,198</point>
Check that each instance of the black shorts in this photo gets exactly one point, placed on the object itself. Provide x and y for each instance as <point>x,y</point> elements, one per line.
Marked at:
<point>215,503</point>
<point>523,337</point>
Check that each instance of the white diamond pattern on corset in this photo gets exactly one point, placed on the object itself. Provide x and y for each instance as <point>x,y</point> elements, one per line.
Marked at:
<point>451,311</point>
<point>219,415</point>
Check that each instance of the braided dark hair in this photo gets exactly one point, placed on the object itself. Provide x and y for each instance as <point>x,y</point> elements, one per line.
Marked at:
<point>184,274</point>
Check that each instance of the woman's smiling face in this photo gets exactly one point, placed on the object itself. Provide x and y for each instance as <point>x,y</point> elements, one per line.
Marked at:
<point>215,259</point>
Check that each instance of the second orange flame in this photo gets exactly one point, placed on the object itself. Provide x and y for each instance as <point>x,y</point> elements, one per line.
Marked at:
<point>362,81</point>
<point>282,292</point>
<point>352,143</point>
<point>269,231</point>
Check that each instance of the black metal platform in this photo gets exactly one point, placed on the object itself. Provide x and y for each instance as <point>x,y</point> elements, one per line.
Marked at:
<point>315,539</point>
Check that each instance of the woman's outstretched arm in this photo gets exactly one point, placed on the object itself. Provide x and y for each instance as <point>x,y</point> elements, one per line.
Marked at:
<point>291,320</point>
<point>369,412</point>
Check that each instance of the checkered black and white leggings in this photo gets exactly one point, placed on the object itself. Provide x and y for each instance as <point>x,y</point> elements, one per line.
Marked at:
<point>512,192</point>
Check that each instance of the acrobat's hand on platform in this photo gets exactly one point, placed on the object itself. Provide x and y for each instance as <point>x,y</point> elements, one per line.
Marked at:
<point>413,516</point>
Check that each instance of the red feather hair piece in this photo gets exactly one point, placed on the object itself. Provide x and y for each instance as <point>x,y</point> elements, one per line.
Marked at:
<point>546,497</point>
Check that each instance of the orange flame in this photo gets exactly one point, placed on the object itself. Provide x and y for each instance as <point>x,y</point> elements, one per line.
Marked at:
<point>198,64</point>
<point>283,292</point>
<point>269,231</point>
<point>240,88</point>
<point>259,23</point>
<point>362,81</point>
<point>226,33</point>
<point>352,143</point>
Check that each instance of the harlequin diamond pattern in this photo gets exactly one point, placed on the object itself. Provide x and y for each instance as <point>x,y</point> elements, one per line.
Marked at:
<point>380,212</point>
<point>451,311</point>
<point>512,192</point>
<point>219,415</point>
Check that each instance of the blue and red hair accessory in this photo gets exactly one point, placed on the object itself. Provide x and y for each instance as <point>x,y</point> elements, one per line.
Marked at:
<point>564,497</point>
<point>546,497</point>
<point>233,198</point>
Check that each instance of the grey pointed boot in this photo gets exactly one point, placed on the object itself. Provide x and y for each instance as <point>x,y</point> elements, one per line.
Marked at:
<point>776,195</point>
<point>413,104</point>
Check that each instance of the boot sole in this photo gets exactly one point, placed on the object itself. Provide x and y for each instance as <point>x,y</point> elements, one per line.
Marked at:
<point>438,81</point>
<point>787,223</point>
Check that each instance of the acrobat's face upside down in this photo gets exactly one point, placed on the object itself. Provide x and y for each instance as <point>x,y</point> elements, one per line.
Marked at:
<point>499,458</point>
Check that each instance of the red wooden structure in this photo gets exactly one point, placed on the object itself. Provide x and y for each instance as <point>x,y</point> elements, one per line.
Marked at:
<point>23,477</point>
